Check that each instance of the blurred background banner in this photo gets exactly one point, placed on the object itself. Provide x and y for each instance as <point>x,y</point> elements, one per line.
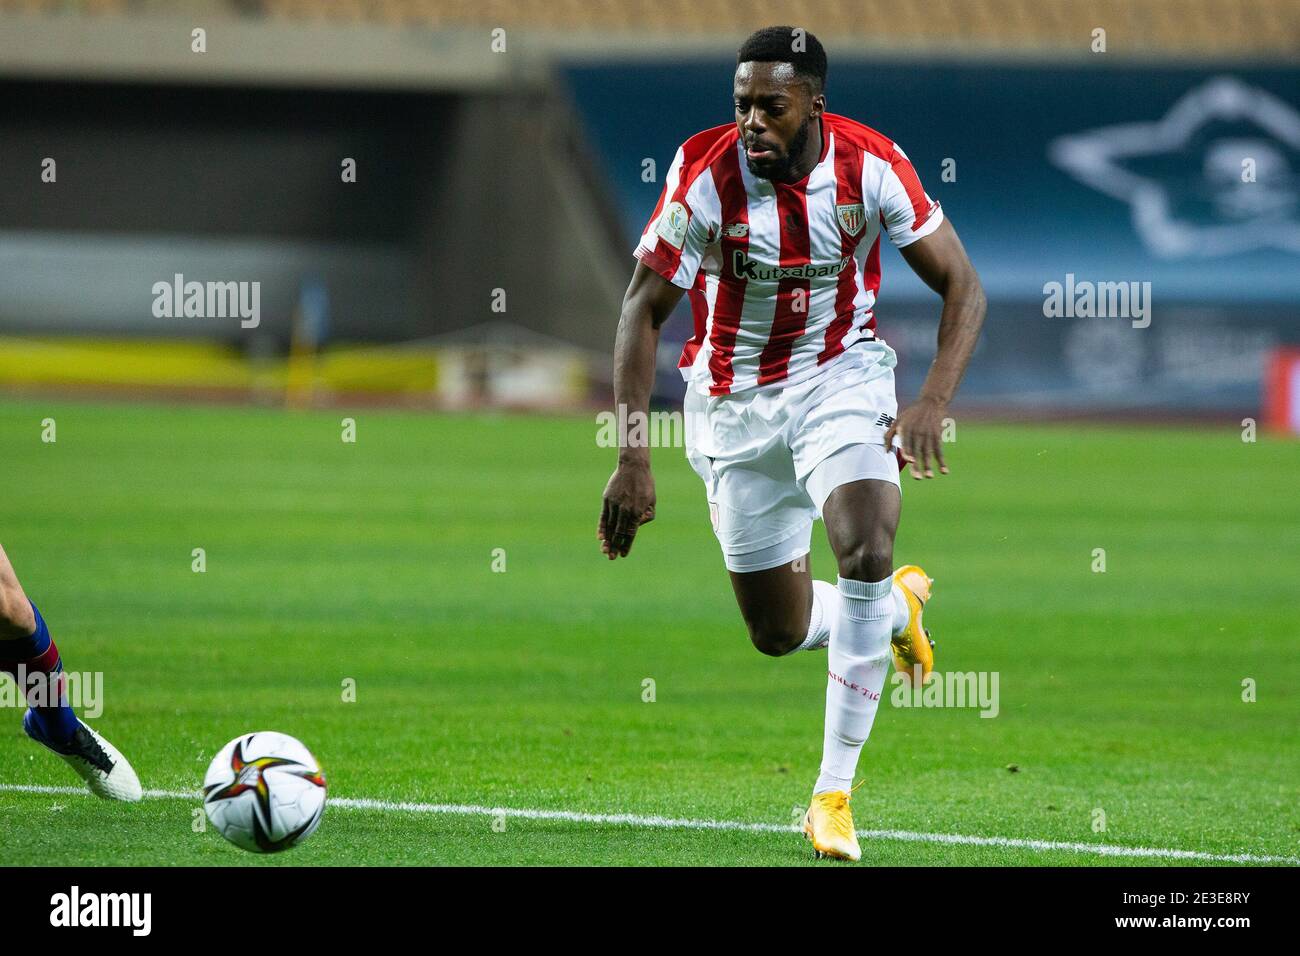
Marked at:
<point>435,202</point>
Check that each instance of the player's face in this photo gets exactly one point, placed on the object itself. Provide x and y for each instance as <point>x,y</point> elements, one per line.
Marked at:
<point>774,109</point>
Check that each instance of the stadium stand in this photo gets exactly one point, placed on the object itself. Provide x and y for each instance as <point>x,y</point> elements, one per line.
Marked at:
<point>1171,27</point>
<point>411,88</point>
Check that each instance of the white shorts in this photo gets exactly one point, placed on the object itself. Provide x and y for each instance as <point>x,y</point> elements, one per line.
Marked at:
<point>770,458</point>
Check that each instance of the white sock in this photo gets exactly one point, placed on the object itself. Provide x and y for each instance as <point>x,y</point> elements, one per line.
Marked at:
<point>825,609</point>
<point>857,662</point>
<point>900,610</point>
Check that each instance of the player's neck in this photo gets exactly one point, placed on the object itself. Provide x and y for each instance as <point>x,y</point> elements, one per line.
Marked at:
<point>812,153</point>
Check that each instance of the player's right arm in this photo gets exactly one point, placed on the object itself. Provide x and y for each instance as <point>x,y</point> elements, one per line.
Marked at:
<point>629,499</point>
<point>670,254</point>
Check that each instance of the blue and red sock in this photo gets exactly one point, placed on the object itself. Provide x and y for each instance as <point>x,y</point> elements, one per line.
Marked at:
<point>37,655</point>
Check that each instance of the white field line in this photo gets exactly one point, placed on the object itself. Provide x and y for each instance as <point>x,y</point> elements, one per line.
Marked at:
<point>675,823</point>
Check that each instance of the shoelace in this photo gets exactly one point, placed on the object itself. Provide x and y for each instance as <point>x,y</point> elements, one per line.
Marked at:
<point>88,749</point>
<point>838,809</point>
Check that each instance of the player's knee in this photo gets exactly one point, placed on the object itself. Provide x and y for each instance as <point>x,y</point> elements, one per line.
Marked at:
<point>772,639</point>
<point>16,617</point>
<point>872,560</point>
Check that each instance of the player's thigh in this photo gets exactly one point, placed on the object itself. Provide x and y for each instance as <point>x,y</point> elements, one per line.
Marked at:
<point>776,604</point>
<point>861,517</point>
<point>761,513</point>
<point>763,522</point>
<point>766,552</point>
<point>857,493</point>
<point>847,471</point>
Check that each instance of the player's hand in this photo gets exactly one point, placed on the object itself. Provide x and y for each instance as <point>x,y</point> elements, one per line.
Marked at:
<point>919,428</point>
<point>629,503</point>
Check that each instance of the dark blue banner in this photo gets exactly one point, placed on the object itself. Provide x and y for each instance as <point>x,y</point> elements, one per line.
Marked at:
<point>1164,200</point>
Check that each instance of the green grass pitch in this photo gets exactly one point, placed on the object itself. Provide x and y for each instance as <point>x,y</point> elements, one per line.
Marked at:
<point>1121,693</point>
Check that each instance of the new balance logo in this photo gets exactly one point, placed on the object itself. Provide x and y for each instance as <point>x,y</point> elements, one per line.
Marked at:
<point>885,420</point>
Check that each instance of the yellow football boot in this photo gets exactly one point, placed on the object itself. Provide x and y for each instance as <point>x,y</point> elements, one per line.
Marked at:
<point>913,648</point>
<point>829,824</point>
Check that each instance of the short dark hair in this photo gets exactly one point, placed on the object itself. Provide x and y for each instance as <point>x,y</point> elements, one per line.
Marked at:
<point>778,45</point>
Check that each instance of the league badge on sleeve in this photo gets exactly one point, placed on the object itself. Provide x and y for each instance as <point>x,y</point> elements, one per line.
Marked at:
<point>672,224</point>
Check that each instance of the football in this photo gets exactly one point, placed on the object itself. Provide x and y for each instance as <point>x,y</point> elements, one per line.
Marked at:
<point>264,792</point>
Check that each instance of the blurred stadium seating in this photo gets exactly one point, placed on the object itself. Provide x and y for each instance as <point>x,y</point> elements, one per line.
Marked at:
<point>1209,27</point>
<point>484,246</point>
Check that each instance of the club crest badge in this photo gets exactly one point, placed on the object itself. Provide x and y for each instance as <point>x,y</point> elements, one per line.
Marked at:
<point>852,217</point>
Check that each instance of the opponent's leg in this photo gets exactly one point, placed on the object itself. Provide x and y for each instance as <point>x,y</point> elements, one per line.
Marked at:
<point>16,618</point>
<point>29,654</point>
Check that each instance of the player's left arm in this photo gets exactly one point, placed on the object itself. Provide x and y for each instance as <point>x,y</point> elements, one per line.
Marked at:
<point>943,265</point>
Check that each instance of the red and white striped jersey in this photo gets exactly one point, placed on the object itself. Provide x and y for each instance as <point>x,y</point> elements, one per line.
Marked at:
<point>782,278</point>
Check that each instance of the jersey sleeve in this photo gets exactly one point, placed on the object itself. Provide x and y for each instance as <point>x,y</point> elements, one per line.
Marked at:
<point>678,233</point>
<point>909,214</point>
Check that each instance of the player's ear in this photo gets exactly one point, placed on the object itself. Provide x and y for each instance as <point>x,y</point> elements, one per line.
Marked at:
<point>818,104</point>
